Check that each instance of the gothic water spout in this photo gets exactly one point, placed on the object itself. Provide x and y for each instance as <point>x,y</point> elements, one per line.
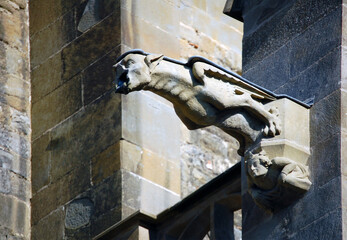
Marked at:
<point>205,94</point>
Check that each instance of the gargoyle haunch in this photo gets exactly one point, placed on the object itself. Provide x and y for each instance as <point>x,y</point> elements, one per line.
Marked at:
<point>205,94</point>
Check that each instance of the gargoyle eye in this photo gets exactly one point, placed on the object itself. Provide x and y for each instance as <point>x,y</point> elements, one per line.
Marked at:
<point>129,62</point>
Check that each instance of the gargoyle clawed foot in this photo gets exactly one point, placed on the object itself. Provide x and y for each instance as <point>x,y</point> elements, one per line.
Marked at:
<point>272,128</point>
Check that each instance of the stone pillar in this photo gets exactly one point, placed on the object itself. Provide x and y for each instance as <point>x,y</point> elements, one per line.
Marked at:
<point>298,48</point>
<point>15,129</point>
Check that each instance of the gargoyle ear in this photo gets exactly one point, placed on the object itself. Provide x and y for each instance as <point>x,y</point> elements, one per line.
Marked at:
<point>153,60</point>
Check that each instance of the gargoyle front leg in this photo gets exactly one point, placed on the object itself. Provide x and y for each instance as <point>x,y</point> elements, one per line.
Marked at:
<point>269,117</point>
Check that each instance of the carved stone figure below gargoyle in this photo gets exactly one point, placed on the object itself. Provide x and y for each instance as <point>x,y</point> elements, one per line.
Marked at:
<point>202,95</point>
<point>277,182</point>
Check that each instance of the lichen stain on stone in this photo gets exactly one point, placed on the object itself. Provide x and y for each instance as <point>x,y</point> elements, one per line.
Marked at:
<point>78,213</point>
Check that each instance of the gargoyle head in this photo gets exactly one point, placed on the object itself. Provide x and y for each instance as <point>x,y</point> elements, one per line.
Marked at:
<point>133,72</point>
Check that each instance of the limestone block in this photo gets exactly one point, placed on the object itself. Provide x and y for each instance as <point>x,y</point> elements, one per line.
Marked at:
<point>278,31</point>
<point>186,14</point>
<point>320,79</point>
<point>215,9</point>
<point>344,109</point>
<point>14,214</point>
<point>200,4</point>
<point>202,22</point>
<point>305,49</point>
<point>51,39</point>
<point>103,222</point>
<point>16,163</point>
<point>20,3</point>
<point>40,163</point>
<point>130,156</point>
<point>89,132</point>
<point>15,92</point>
<point>13,30</point>
<point>143,120</point>
<point>106,163</point>
<point>15,143</point>
<point>43,13</point>
<point>229,36</point>
<point>14,185</point>
<point>139,193</point>
<point>51,227</point>
<point>91,45</point>
<point>13,62</point>
<point>98,78</point>
<point>329,226</point>
<point>56,106</point>
<point>153,39</point>
<point>272,72</point>
<point>160,170</point>
<point>294,140</point>
<point>46,77</point>
<point>344,64</point>
<point>326,118</point>
<point>344,152</point>
<point>158,13</point>
<point>326,160</point>
<point>107,196</point>
<point>60,192</point>
<point>344,23</point>
<point>13,120</point>
<point>5,184</point>
<point>344,202</point>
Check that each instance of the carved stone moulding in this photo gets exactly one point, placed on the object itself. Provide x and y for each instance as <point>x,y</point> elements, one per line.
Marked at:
<point>294,140</point>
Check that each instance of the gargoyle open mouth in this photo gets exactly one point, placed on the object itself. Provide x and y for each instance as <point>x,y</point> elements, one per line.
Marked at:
<point>122,83</point>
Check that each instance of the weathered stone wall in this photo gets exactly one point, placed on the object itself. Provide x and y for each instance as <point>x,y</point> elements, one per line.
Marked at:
<point>295,48</point>
<point>343,115</point>
<point>15,128</point>
<point>98,156</point>
<point>75,118</point>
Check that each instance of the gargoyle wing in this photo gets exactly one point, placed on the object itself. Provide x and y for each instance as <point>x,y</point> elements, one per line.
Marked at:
<point>202,70</point>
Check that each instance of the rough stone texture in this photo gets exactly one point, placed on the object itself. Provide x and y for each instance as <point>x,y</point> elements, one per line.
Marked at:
<point>57,193</point>
<point>65,100</point>
<point>15,124</point>
<point>78,213</point>
<point>14,215</point>
<point>281,29</point>
<point>41,165</point>
<point>54,222</point>
<point>306,36</point>
<point>344,120</point>
<point>204,155</point>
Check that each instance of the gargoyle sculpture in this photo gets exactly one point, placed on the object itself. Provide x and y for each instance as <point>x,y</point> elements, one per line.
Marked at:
<point>204,94</point>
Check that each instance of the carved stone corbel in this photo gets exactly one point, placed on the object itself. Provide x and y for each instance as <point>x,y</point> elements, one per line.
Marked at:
<point>273,131</point>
